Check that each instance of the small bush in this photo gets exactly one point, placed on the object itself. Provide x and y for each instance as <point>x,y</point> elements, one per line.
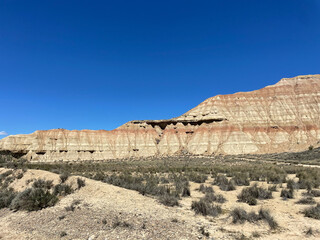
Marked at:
<point>33,199</point>
<point>62,189</point>
<point>211,197</point>
<point>292,185</point>
<point>239,215</point>
<point>41,183</point>
<point>118,223</point>
<point>186,192</point>
<point>169,200</point>
<point>64,177</point>
<point>312,212</point>
<point>286,193</point>
<point>205,189</point>
<point>251,194</point>
<point>81,183</point>
<point>313,193</point>
<point>265,215</point>
<point>273,188</point>
<point>306,200</point>
<point>205,208</point>
<point>241,180</point>
<point>309,232</point>
<point>6,197</point>
<point>196,177</point>
<point>203,231</point>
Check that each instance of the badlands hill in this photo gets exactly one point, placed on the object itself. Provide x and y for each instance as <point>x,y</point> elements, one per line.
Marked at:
<point>279,118</point>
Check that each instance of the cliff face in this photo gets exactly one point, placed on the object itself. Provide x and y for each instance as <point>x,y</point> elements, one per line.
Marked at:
<point>284,117</point>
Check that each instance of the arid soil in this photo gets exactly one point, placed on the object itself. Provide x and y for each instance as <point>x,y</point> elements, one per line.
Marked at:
<point>110,212</point>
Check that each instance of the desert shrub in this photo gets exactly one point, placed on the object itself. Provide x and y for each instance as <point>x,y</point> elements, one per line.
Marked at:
<point>292,185</point>
<point>72,206</point>
<point>62,189</point>
<point>265,215</point>
<point>20,175</point>
<point>205,208</point>
<point>205,189</point>
<point>273,176</point>
<point>239,215</point>
<point>273,188</point>
<point>312,212</point>
<point>33,199</point>
<point>169,200</point>
<point>223,183</point>
<point>6,197</point>
<point>315,193</point>
<point>241,179</point>
<point>287,193</point>
<point>81,183</point>
<point>203,231</point>
<point>228,187</point>
<point>196,177</point>
<point>118,223</point>
<point>309,232</point>
<point>5,174</point>
<point>250,194</point>
<point>220,180</point>
<point>309,178</point>
<point>41,183</point>
<point>212,197</point>
<point>64,177</point>
<point>186,192</point>
<point>306,200</point>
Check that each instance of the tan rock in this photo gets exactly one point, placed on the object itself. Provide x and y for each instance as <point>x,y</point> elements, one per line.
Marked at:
<point>279,118</point>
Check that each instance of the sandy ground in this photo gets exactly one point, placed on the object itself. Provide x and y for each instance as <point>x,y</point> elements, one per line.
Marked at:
<point>102,205</point>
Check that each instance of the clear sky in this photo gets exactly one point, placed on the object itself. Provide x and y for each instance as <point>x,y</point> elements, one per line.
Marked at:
<point>98,64</point>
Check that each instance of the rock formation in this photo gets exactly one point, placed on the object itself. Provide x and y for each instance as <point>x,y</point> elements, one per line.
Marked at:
<point>279,118</point>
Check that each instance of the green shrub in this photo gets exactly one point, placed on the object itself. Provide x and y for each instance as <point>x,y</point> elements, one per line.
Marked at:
<point>265,215</point>
<point>212,197</point>
<point>250,194</point>
<point>196,177</point>
<point>306,200</point>
<point>287,193</point>
<point>239,215</point>
<point>33,199</point>
<point>205,189</point>
<point>273,188</point>
<point>41,183</point>
<point>292,185</point>
<point>62,189</point>
<point>81,183</point>
<point>312,193</point>
<point>169,200</point>
<point>223,183</point>
<point>6,197</point>
<point>312,212</point>
<point>186,192</point>
<point>64,177</point>
<point>205,208</point>
<point>241,179</point>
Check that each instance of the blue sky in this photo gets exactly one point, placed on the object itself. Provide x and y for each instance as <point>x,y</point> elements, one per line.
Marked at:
<point>98,64</point>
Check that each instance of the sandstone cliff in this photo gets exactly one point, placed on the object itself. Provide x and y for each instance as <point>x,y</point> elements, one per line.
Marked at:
<point>280,118</point>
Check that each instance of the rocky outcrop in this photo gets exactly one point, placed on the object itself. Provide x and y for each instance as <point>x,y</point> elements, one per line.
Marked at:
<point>279,118</point>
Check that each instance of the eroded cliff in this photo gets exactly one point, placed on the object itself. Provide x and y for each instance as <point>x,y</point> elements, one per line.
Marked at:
<point>279,118</point>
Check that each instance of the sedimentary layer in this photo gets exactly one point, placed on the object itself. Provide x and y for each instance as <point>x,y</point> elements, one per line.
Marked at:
<point>279,118</point>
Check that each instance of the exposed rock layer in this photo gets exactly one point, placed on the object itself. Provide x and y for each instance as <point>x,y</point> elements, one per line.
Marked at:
<point>280,118</point>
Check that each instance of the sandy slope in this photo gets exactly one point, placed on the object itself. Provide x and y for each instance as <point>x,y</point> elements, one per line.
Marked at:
<point>102,205</point>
